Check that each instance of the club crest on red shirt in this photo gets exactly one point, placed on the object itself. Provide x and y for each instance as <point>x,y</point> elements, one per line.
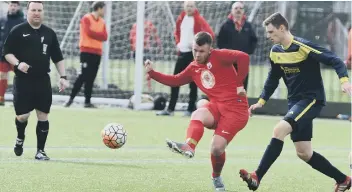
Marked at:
<point>207,79</point>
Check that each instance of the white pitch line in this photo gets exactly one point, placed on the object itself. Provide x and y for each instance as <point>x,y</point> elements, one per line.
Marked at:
<point>150,148</point>
<point>176,160</point>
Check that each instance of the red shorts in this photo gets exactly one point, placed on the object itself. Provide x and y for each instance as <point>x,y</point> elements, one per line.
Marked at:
<point>5,67</point>
<point>230,117</point>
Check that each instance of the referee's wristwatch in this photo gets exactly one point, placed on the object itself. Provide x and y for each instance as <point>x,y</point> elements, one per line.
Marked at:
<point>17,64</point>
<point>63,77</point>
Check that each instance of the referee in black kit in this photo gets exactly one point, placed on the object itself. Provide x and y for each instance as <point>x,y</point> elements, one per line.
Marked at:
<point>29,47</point>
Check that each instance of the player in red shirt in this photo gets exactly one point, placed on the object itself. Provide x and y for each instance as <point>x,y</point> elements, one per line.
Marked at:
<point>227,112</point>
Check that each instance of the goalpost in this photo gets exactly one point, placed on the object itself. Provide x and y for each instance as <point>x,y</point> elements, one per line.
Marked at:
<point>138,83</point>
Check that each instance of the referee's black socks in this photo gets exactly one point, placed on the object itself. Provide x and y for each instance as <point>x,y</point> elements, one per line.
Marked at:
<point>21,126</point>
<point>42,134</point>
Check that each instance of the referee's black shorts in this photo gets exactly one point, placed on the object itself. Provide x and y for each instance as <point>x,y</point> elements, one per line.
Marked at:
<point>32,93</point>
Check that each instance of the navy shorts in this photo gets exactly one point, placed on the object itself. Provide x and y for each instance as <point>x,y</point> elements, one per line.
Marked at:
<point>300,115</point>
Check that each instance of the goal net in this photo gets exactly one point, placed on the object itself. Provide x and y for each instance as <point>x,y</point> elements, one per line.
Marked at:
<point>162,49</point>
<point>115,81</point>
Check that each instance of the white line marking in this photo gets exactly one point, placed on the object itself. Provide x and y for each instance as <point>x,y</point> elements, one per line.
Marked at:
<point>176,160</point>
<point>150,148</point>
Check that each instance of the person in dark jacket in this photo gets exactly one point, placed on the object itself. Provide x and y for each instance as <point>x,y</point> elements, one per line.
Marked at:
<point>236,33</point>
<point>14,17</point>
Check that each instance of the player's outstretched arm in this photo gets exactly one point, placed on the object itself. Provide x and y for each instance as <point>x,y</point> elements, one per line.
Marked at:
<point>170,80</point>
<point>328,58</point>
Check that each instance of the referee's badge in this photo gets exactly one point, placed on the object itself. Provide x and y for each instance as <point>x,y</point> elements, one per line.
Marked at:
<point>45,46</point>
<point>42,39</point>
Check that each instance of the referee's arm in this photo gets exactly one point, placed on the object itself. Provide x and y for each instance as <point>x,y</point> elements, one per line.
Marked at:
<point>9,48</point>
<point>56,56</point>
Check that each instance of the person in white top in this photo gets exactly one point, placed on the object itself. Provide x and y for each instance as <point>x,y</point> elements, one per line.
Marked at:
<point>188,23</point>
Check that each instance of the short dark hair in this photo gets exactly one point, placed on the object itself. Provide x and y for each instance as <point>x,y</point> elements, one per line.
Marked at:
<point>29,2</point>
<point>98,5</point>
<point>276,20</point>
<point>14,2</point>
<point>203,38</point>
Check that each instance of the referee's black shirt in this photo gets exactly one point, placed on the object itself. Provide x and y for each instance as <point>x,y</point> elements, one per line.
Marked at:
<point>34,47</point>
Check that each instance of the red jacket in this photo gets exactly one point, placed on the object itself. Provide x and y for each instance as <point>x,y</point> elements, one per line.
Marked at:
<point>150,31</point>
<point>200,24</point>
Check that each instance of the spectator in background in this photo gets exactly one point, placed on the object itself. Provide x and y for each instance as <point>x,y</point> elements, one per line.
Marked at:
<point>150,32</point>
<point>188,23</point>
<point>349,54</point>
<point>237,33</point>
<point>14,17</point>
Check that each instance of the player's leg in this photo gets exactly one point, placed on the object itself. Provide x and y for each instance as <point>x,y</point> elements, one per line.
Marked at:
<point>301,136</point>
<point>42,105</point>
<point>272,152</point>
<point>4,69</point>
<point>321,164</point>
<point>84,57</point>
<point>206,116</point>
<point>92,70</point>
<point>232,120</point>
<point>202,103</point>
<point>23,104</point>
<point>218,157</point>
<point>179,66</point>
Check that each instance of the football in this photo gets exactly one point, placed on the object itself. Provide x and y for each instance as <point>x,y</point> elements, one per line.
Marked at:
<point>114,135</point>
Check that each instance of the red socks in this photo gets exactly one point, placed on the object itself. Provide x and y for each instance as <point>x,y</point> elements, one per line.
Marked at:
<point>3,87</point>
<point>194,133</point>
<point>218,163</point>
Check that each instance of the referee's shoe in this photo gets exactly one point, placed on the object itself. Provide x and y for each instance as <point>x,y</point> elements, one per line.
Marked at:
<point>41,155</point>
<point>19,147</point>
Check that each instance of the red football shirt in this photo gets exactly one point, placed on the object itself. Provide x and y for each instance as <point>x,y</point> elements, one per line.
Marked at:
<point>218,78</point>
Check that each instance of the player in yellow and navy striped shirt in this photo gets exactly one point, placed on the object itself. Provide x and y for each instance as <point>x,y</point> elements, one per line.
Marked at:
<point>296,60</point>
